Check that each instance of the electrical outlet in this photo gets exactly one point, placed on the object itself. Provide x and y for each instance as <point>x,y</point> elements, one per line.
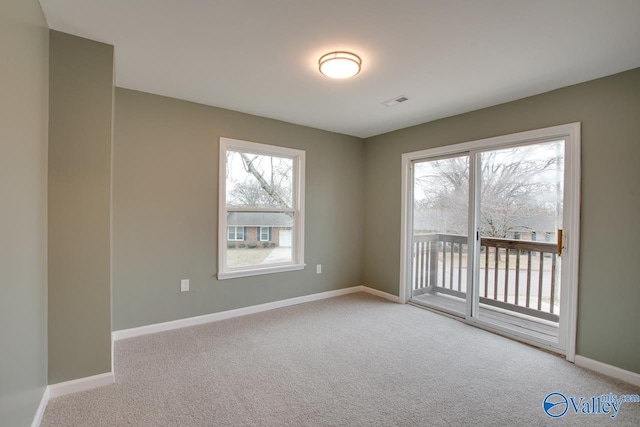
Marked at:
<point>184,285</point>
<point>318,268</point>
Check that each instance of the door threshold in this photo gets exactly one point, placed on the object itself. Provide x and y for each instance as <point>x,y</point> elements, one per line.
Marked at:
<point>504,331</point>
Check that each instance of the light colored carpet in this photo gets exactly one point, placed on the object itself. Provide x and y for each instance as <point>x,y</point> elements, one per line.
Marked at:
<point>355,360</point>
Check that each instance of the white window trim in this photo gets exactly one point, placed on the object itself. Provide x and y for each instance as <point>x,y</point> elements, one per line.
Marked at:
<point>298,199</point>
<point>260,234</point>
<point>236,233</point>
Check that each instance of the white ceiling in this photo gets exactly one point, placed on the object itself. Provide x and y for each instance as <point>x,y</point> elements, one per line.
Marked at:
<point>446,56</point>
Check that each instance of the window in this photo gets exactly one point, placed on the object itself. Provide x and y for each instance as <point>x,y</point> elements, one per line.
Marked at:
<point>235,233</point>
<point>261,199</point>
<point>264,234</point>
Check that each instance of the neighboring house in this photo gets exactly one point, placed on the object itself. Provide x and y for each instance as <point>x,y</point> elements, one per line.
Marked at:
<point>538,228</point>
<point>273,228</point>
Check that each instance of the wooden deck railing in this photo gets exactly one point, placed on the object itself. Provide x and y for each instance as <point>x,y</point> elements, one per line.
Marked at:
<point>515,275</point>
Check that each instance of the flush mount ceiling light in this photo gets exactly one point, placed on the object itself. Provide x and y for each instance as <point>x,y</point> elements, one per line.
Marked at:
<point>340,65</point>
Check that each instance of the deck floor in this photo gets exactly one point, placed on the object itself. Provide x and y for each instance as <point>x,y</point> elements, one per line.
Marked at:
<point>540,329</point>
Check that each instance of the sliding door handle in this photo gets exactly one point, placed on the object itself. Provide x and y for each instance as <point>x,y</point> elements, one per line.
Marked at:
<point>559,242</point>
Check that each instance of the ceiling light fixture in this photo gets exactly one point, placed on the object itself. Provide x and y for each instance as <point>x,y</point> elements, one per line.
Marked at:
<point>339,65</point>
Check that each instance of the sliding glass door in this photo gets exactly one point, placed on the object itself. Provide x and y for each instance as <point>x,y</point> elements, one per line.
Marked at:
<point>484,240</point>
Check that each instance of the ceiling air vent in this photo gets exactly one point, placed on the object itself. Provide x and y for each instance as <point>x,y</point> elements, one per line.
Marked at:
<point>395,101</point>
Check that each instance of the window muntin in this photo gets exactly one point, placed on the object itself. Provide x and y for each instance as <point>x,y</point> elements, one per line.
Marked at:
<point>261,200</point>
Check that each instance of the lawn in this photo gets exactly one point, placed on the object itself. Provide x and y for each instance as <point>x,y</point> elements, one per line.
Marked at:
<point>245,256</point>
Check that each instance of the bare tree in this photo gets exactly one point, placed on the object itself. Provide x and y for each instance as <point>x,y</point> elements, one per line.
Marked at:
<point>269,188</point>
<point>259,186</point>
<point>513,190</point>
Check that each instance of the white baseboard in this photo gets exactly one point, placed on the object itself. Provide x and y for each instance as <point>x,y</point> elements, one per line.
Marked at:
<point>223,315</point>
<point>381,294</point>
<point>81,384</point>
<point>609,370</point>
<point>37,419</point>
<point>67,387</point>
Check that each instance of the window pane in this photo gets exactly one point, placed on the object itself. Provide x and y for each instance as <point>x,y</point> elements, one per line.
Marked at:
<point>440,228</point>
<point>521,198</point>
<point>521,192</point>
<point>259,181</point>
<point>252,251</point>
<point>264,234</point>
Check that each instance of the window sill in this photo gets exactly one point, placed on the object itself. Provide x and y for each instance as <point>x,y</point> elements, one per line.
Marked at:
<point>260,271</point>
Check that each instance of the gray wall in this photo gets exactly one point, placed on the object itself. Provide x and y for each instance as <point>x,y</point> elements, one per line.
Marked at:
<point>165,216</point>
<point>24,43</point>
<point>80,139</point>
<point>609,286</point>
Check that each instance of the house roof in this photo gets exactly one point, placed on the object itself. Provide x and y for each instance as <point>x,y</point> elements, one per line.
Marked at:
<point>259,219</point>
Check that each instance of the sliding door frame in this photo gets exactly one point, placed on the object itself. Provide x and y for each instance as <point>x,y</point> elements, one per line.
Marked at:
<point>570,133</point>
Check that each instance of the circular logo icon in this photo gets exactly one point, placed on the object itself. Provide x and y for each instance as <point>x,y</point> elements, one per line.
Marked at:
<point>555,405</point>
